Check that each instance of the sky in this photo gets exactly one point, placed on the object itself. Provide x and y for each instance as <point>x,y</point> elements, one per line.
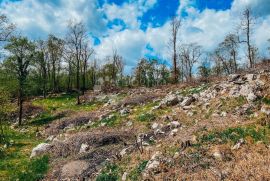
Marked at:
<point>139,28</point>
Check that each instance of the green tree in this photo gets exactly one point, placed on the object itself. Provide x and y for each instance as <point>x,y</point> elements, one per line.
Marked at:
<point>21,54</point>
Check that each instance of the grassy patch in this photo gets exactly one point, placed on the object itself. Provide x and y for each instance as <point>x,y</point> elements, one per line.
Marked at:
<point>65,102</point>
<point>266,101</point>
<point>15,155</point>
<point>146,117</point>
<point>45,118</point>
<point>194,90</point>
<point>229,104</point>
<point>135,173</point>
<point>109,173</point>
<point>34,170</point>
<point>234,134</point>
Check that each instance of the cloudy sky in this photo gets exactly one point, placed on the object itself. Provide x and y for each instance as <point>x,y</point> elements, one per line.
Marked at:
<point>138,28</point>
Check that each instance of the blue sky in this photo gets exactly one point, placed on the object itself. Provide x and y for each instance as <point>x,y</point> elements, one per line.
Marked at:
<point>139,28</point>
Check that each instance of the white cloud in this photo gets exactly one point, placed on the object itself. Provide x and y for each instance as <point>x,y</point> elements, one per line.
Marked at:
<point>207,27</point>
<point>37,18</point>
<point>128,12</point>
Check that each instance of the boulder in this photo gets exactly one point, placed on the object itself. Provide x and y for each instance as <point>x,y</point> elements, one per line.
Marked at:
<point>251,97</point>
<point>40,149</point>
<point>74,169</point>
<point>170,100</point>
<point>187,101</point>
<point>233,77</point>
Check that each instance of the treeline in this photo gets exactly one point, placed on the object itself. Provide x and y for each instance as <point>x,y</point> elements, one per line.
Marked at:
<point>54,65</point>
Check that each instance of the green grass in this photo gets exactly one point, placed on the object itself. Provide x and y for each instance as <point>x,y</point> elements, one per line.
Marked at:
<point>146,117</point>
<point>194,90</point>
<point>135,173</point>
<point>16,156</point>
<point>266,101</point>
<point>65,102</point>
<point>45,118</point>
<point>33,170</point>
<point>109,173</point>
<point>234,134</point>
<point>229,104</point>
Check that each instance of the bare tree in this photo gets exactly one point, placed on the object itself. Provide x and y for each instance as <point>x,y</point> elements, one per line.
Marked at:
<point>189,54</point>
<point>175,26</point>
<point>42,58</point>
<point>247,23</point>
<point>86,54</point>
<point>6,28</point>
<point>55,51</point>
<point>230,45</point>
<point>75,39</point>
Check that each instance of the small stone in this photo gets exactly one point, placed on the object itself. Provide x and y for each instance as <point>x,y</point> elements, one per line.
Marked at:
<point>266,110</point>
<point>176,155</point>
<point>124,176</point>
<point>223,114</point>
<point>174,124</point>
<point>173,132</point>
<point>84,148</point>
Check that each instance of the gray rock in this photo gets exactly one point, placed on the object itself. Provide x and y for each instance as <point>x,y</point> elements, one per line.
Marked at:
<point>74,169</point>
<point>84,148</point>
<point>187,101</point>
<point>40,149</point>
<point>265,110</point>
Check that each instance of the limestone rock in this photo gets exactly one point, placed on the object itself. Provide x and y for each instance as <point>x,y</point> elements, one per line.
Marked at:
<point>74,169</point>
<point>40,149</point>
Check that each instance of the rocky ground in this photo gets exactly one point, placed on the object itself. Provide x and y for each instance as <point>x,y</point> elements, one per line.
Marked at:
<point>214,131</point>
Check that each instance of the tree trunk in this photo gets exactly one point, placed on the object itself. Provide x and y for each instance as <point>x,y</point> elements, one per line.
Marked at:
<point>20,101</point>
<point>78,81</point>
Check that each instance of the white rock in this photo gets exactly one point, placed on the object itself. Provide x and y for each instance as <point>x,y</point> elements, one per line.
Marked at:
<point>238,144</point>
<point>223,114</point>
<point>175,124</point>
<point>155,126</point>
<point>124,176</point>
<point>152,165</point>
<point>251,97</point>
<point>84,148</point>
<point>187,101</point>
<point>265,110</point>
<point>129,124</point>
<point>40,149</point>
<point>173,132</point>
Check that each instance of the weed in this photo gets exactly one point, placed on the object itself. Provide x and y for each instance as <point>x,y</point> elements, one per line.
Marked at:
<point>266,101</point>
<point>135,173</point>
<point>234,134</point>
<point>110,173</point>
<point>194,90</point>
